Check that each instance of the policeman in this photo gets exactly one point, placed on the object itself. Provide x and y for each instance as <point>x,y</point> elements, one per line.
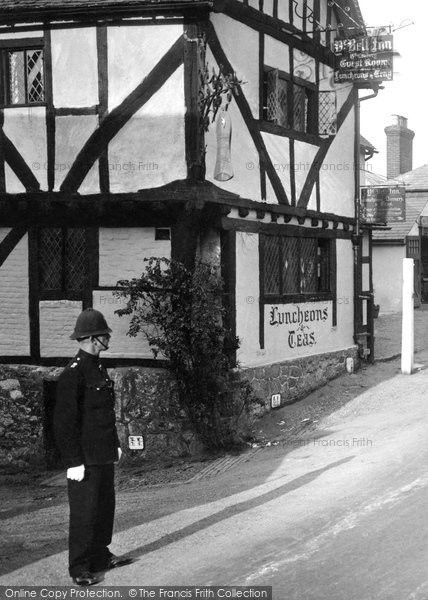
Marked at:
<point>85,431</point>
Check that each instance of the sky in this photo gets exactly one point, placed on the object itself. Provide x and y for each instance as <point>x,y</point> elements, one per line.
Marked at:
<point>406,94</point>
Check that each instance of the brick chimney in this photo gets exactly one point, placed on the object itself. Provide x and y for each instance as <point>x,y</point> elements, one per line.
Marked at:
<point>399,147</point>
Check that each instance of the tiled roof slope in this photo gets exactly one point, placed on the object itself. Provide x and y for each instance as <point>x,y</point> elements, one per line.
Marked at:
<point>17,5</point>
<point>36,10</point>
<point>413,180</point>
<point>399,230</point>
<point>373,178</point>
<point>364,143</point>
<point>416,202</point>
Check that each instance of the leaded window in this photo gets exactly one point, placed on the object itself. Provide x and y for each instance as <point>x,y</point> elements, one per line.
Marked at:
<point>62,261</point>
<point>327,113</point>
<point>296,266</point>
<point>294,103</point>
<point>24,76</point>
<point>276,89</point>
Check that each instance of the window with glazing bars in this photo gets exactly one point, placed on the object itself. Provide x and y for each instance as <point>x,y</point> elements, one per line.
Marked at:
<point>296,266</point>
<point>413,248</point>
<point>62,261</point>
<point>297,106</point>
<point>23,74</point>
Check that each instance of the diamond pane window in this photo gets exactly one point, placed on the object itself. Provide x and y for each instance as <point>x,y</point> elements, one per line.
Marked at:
<point>272,264</point>
<point>290,266</point>
<point>294,103</point>
<point>35,83</point>
<point>308,265</point>
<point>327,113</point>
<point>277,99</point>
<point>62,260</point>
<point>300,108</point>
<point>50,257</point>
<point>25,77</point>
<point>295,266</point>
<point>75,256</point>
<point>323,265</point>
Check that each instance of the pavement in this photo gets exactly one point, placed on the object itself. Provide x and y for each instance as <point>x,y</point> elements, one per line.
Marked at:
<point>162,521</point>
<point>388,334</point>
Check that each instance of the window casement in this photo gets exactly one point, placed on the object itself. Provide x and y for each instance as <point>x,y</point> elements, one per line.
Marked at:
<point>63,263</point>
<point>295,104</point>
<point>296,269</point>
<point>23,76</point>
<point>413,248</point>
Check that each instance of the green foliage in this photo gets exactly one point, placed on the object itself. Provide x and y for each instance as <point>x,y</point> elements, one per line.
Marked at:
<point>181,314</point>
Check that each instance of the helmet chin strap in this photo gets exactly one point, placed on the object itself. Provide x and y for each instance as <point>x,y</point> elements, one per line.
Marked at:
<point>102,344</point>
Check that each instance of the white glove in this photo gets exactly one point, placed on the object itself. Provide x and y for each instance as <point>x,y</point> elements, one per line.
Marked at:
<point>119,453</point>
<point>76,473</point>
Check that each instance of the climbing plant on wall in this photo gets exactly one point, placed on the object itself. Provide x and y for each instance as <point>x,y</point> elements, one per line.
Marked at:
<point>181,313</point>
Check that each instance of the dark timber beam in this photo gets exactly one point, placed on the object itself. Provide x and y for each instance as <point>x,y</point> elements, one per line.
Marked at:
<point>119,116</point>
<point>10,242</point>
<point>322,153</point>
<point>19,166</point>
<point>194,135</point>
<point>247,115</point>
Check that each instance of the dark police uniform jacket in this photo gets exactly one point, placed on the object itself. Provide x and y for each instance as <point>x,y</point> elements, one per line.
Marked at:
<point>84,417</point>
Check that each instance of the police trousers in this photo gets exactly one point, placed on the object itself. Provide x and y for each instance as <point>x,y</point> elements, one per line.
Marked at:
<point>92,505</point>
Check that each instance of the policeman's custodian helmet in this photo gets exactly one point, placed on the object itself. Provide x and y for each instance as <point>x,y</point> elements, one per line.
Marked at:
<point>90,322</point>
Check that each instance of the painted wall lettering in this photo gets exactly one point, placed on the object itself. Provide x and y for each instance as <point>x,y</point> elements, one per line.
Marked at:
<point>304,323</point>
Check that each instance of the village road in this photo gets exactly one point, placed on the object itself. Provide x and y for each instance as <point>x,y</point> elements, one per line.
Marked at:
<point>339,513</point>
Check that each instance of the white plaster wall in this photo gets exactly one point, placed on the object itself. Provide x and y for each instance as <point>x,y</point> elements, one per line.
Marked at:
<point>74,67</point>
<point>388,277</point>
<point>323,20</point>
<point>247,296</point>
<point>122,252</point>
<point>337,173</point>
<point>312,205</point>
<point>57,321</point>
<point>72,132</point>
<point>244,158</point>
<point>132,54</point>
<point>278,148</point>
<point>304,155</point>
<point>304,66</point>
<point>326,74</point>
<point>241,45</point>
<point>283,11</point>
<point>298,9</point>
<point>121,345</point>
<point>13,184</point>
<point>328,338</point>
<point>277,54</point>
<point>14,318</point>
<point>26,128</point>
<point>344,332</point>
<point>149,151</point>
<point>268,7</point>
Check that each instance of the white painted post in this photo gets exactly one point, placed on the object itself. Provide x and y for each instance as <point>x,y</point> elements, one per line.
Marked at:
<point>407,333</point>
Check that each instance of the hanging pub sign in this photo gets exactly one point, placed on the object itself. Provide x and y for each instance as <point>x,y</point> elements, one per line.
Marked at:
<point>381,205</point>
<point>363,59</point>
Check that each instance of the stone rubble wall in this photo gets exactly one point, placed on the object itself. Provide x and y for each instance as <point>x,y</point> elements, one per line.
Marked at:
<point>295,379</point>
<point>146,404</point>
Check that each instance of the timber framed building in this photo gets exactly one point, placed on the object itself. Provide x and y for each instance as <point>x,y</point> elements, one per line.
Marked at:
<point>104,161</point>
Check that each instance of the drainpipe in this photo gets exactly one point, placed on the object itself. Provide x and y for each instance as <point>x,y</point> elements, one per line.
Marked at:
<point>357,237</point>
